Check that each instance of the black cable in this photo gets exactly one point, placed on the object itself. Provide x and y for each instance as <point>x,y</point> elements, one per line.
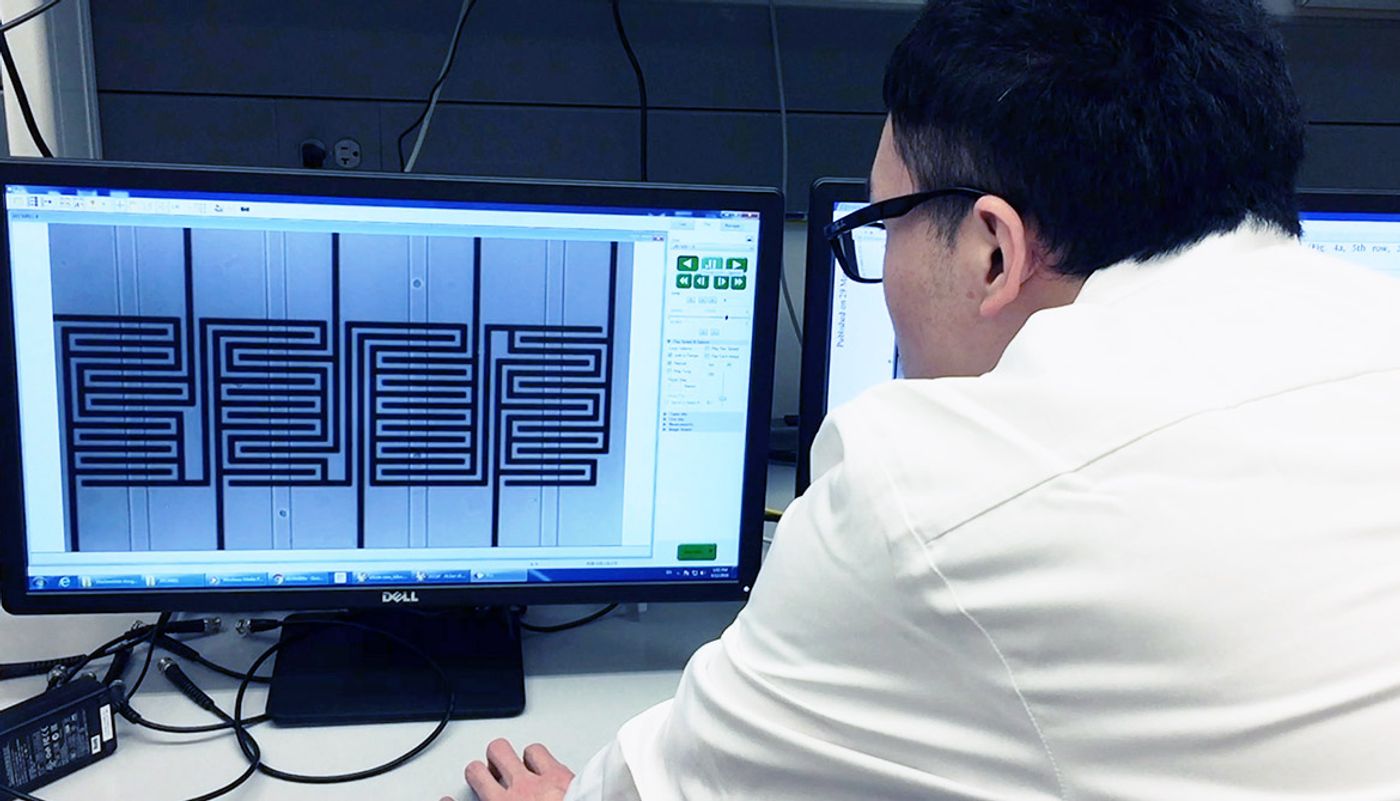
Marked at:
<point>105,650</point>
<point>641,80</point>
<point>156,631</point>
<point>130,714</point>
<point>121,660</point>
<point>184,650</point>
<point>22,97</point>
<point>136,719</point>
<point>17,670</point>
<point>572,624</point>
<point>190,690</point>
<point>240,724</point>
<point>27,16</point>
<point>19,794</point>
<point>437,85</point>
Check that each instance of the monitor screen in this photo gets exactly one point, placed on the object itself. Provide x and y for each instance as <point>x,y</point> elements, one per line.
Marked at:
<point>852,339</point>
<point>235,391</point>
<point>860,346</point>
<point>1369,239</point>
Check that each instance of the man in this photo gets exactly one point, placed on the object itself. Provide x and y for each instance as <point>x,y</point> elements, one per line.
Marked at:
<point>1131,530</point>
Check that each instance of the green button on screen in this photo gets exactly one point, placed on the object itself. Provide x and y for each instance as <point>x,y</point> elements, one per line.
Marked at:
<point>697,552</point>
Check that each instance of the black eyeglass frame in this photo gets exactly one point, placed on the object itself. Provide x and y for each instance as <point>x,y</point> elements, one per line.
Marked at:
<point>839,234</point>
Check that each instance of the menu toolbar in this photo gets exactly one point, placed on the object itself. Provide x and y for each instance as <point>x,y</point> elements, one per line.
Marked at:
<point>363,579</point>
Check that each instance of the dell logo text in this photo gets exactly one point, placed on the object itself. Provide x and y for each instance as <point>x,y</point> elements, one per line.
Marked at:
<point>400,597</point>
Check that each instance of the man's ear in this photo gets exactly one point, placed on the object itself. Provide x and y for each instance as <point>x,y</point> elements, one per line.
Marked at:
<point>1009,260</point>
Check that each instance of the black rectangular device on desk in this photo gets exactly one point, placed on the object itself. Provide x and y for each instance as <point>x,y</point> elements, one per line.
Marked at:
<point>275,390</point>
<point>50,736</point>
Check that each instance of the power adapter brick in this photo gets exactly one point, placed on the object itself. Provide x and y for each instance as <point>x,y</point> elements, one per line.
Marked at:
<point>54,734</point>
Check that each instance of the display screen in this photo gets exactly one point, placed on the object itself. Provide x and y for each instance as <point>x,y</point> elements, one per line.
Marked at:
<point>1370,240</point>
<point>224,391</point>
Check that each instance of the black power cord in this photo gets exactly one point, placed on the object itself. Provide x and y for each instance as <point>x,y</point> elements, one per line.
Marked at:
<point>158,636</point>
<point>123,642</point>
<point>406,164</point>
<point>22,97</point>
<point>16,670</point>
<point>642,104</point>
<point>18,794</point>
<point>156,632</point>
<point>180,649</point>
<point>572,624</point>
<point>240,723</point>
<point>190,690</point>
<point>177,677</point>
<point>137,719</point>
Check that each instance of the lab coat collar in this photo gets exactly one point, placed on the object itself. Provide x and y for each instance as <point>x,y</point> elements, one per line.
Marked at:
<point>1114,283</point>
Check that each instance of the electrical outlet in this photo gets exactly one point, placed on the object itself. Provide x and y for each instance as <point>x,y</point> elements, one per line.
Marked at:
<point>313,154</point>
<point>347,154</point>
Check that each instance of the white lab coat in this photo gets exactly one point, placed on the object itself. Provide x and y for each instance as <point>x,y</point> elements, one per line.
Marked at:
<point>1153,556</point>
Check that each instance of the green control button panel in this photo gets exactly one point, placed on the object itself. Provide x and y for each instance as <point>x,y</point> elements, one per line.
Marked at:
<point>697,552</point>
<point>712,273</point>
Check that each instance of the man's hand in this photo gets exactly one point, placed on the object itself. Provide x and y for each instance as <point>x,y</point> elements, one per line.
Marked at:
<point>506,777</point>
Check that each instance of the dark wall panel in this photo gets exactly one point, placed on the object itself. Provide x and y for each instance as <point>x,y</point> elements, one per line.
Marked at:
<point>696,55</point>
<point>518,141</point>
<point>188,129</point>
<point>1352,157</point>
<point>542,88</point>
<point>1347,70</point>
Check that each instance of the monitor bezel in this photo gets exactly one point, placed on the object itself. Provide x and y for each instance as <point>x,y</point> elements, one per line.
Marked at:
<point>1342,201</point>
<point>816,314</point>
<point>18,598</point>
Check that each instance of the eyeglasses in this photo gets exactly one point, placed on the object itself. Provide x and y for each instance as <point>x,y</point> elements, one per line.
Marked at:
<point>841,234</point>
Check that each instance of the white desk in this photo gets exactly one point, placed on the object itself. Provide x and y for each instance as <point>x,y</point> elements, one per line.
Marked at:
<point>581,685</point>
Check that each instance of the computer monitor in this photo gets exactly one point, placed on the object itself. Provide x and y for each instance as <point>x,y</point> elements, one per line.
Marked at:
<point>1360,227</point>
<point>848,342</point>
<point>233,389</point>
<point>848,339</point>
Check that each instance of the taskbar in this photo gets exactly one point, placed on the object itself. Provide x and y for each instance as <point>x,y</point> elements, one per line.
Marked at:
<point>351,579</point>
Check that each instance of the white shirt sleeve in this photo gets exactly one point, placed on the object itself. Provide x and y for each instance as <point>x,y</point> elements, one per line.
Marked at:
<point>809,695</point>
<point>606,777</point>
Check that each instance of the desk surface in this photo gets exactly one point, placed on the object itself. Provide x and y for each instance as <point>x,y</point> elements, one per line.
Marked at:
<point>581,685</point>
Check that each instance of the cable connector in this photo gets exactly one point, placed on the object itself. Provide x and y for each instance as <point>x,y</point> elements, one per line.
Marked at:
<point>176,676</point>
<point>256,625</point>
<point>195,625</point>
<point>208,625</point>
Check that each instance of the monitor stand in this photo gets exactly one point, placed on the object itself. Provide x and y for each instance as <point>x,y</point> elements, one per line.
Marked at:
<point>337,675</point>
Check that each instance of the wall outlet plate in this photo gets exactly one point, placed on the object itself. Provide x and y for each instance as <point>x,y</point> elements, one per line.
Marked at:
<point>347,154</point>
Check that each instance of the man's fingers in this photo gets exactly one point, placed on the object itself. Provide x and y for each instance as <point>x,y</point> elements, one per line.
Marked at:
<point>538,759</point>
<point>481,781</point>
<point>500,754</point>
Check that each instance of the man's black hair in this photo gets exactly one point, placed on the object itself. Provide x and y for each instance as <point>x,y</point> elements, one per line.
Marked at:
<point>1121,129</point>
